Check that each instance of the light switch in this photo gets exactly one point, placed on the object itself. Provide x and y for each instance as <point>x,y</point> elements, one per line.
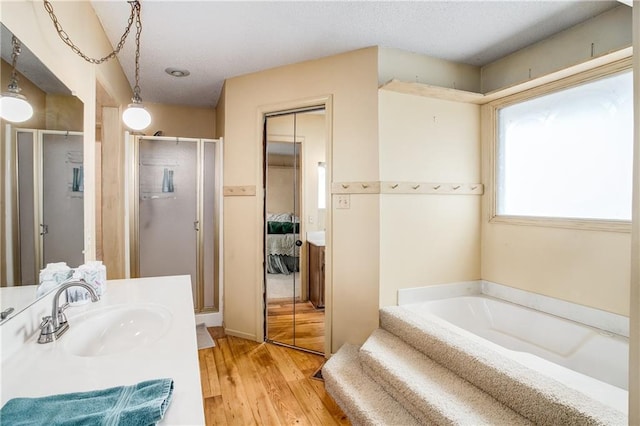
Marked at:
<point>343,201</point>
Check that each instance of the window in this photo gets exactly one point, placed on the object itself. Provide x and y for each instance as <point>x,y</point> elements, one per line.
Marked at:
<point>568,154</point>
<point>322,197</point>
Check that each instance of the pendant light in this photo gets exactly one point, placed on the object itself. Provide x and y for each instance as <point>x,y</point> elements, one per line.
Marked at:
<point>14,107</point>
<point>136,117</point>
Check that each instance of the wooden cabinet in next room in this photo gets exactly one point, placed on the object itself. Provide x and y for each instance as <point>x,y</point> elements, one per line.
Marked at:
<point>316,275</point>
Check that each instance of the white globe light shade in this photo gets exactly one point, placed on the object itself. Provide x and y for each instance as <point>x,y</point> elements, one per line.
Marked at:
<point>15,108</point>
<point>136,117</point>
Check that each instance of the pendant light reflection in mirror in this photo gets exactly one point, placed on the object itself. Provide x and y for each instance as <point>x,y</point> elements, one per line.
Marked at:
<point>14,107</point>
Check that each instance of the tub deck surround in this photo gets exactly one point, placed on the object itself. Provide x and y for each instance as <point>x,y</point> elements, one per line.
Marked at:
<point>35,370</point>
<point>540,397</point>
<point>363,400</point>
<point>538,340</point>
<point>597,318</point>
<point>440,372</point>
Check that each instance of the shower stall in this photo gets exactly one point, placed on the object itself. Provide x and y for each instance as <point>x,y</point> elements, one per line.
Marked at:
<point>45,202</point>
<point>175,208</point>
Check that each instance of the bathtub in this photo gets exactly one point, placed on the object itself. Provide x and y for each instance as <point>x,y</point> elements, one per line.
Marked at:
<point>595,353</point>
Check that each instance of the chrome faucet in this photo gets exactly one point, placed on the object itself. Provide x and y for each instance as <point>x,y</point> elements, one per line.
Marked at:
<point>54,326</point>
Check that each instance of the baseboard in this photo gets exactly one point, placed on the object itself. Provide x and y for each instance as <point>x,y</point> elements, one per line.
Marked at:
<point>241,334</point>
<point>210,319</point>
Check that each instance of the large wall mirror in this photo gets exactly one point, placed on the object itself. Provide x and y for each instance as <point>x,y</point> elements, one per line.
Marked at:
<point>42,191</point>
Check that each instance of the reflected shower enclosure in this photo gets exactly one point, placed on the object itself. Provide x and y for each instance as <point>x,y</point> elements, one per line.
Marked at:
<point>174,231</point>
<point>50,204</point>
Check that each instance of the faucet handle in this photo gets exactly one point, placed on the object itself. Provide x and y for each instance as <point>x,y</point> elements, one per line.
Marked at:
<point>47,332</point>
<point>46,322</point>
<point>62,318</point>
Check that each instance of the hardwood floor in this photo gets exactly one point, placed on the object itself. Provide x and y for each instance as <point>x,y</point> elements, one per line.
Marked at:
<point>308,332</point>
<point>249,383</point>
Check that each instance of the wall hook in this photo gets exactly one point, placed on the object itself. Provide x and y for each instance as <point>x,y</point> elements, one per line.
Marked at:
<point>394,186</point>
<point>474,187</point>
<point>456,187</point>
<point>345,186</point>
<point>365,186</point>
<point>416,186</point>
<point>436,187</point>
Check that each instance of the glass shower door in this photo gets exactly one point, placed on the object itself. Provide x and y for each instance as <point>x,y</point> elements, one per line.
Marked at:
<point>167,208</point>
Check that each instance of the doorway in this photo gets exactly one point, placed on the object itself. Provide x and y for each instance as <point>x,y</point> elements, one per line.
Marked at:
<point>294,225</point>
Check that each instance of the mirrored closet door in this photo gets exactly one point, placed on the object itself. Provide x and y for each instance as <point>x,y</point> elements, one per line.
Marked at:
<point>294,146</point>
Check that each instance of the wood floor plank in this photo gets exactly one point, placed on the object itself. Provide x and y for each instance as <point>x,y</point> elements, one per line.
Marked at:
<point>286,404</point>
<point>284,363</point>
<point>234,397</point>
<point>310,403</point>
<point>259,401</point>
<point>306,362</point>
<point>214,381</point>
<point>214,411</point>
<point>204,375</point>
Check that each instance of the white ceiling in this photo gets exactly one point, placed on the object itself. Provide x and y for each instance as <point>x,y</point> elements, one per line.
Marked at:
<point>216,40</point>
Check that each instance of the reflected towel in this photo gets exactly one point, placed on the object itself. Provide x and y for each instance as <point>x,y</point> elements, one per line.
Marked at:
<point>141,404</point>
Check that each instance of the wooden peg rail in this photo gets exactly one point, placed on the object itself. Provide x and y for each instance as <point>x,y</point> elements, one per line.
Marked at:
<point>234,191</point>
<point>455,188</point>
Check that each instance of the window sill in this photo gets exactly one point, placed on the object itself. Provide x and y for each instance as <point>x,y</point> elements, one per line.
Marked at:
<point>622,226</point>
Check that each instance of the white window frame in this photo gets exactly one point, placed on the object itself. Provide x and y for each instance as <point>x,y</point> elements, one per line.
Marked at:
<point>490,123</point>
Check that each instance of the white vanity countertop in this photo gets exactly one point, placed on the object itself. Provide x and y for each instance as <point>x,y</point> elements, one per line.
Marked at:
<point>47,369</point>
<point>316,238</point>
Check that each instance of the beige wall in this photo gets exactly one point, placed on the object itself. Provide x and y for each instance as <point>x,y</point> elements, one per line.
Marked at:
<point>427,239</point>
<point>178,120</point>
<point>350,80</point>
<point>587,267</point>
<point>64,113</point>
<point>280,181</point>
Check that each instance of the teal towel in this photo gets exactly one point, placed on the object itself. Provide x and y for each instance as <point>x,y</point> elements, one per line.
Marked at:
<point>142,404</point>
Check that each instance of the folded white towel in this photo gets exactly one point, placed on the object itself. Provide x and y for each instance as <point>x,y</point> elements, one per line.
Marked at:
<point>52,276</point>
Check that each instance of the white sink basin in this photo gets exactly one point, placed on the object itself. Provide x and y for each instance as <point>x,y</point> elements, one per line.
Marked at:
<point>115,329</point>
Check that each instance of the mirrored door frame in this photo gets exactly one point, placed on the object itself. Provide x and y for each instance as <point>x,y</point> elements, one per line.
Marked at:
<point>325,101</point>
<point>304,296</point>
<point>132,187</point>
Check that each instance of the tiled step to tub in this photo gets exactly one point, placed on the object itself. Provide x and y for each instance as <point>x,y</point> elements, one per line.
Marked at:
<point>432,393</point>
<point>362,399</point>
<point>538,397</point>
